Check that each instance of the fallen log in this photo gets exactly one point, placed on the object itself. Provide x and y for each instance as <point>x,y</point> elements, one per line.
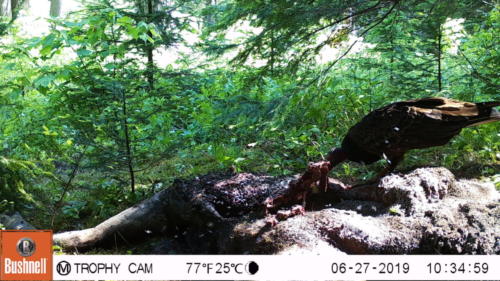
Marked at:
<point>206,202</point>
<point>424,211</point>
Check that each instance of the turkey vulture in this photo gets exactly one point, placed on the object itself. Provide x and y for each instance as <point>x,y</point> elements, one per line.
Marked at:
<point>389,132</point>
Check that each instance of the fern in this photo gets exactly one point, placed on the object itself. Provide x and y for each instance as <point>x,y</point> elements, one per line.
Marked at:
<point>13,177</point>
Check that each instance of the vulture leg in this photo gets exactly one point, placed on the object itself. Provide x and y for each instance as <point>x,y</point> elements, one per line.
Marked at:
<point>393,163</point>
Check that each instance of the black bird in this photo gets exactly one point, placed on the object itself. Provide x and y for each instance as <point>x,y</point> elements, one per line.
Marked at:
<point>389,132</point>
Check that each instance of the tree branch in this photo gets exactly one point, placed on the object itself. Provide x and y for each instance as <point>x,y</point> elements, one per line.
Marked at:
<point>330,66</point>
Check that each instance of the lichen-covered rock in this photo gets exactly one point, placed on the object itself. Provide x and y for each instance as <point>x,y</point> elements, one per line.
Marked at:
<point>15,221</point>
<point>424,211</point>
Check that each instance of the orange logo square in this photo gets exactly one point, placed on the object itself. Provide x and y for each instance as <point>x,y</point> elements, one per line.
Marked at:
<point>26,255</point>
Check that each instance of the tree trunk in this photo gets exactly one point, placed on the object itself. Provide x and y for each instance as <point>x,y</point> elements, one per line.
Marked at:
<point>14,5</point>
<point>273,52</point>
<point>128,142</point>
<point>125,127</point>
<point>58,204</point>
<point>131,224</point>
<point>149,50</point>
<point>209,19</point>
<point>10,8</point>
<point>55,8</point>
<point>391,71</point>
<point>4,8</point>
<point>439,54</point>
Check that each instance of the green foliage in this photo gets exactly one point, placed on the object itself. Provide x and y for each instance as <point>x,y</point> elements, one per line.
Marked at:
<point>13,177</point>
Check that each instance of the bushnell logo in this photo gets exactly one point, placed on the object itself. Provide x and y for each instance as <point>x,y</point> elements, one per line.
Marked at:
<point>26,247</point>
<point>26,255</point>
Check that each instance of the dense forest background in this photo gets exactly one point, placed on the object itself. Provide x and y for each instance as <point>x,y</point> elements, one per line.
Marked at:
<point>121,97</point>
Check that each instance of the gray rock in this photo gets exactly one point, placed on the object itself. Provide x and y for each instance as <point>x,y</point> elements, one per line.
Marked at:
<point>14,221</point>
<point>424,211</point>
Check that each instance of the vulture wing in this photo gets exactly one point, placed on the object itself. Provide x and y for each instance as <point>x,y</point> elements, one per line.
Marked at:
<point>401,126</point>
